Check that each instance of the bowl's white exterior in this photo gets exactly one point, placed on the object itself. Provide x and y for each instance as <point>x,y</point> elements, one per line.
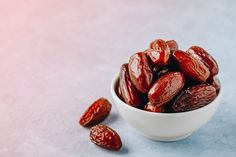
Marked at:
<point>164,126</point>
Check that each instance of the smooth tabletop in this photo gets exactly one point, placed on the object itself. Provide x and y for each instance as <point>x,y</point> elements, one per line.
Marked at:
<point>58,56</point>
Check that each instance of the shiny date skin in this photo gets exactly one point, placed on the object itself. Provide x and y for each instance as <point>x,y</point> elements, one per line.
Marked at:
<point>159,52</point>
<point>166,88</point>
<point>206,58</point>
<point>105,137</point>
<point>153,108</point>
<point>154,56</point>
<point>173,45</point>
<point>96,113</point>
<point>194,97</point>
<point>191,66</point>
<point>140,72</point>
<point>128,91</point>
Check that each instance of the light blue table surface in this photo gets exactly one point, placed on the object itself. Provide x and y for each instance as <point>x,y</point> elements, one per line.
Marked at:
<point>58,56</point>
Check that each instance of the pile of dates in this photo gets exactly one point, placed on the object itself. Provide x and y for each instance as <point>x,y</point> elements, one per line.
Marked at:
<point>167,80</point>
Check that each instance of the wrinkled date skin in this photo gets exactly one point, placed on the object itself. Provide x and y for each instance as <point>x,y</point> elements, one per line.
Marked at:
<point>166,87</point>
<point>159,52</point>
<point>140,72</point>
<point>96,113</point>
<point>191,66</point>
<point>207,59</point>
<point>105,137</point>
<point>128,91</point>
<point>153,108</point>
<point>172,45</point>
<point>194,97</point>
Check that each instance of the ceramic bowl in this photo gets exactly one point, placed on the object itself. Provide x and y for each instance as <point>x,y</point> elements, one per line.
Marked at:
<point>164,126</point>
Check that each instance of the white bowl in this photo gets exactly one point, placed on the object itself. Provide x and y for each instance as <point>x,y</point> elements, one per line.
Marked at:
<point>165,126</point>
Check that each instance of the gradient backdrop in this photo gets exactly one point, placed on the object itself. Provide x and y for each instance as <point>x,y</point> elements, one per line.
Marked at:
<point>58,56</point>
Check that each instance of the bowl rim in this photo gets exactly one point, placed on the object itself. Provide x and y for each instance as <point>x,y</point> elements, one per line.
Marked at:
<point>114,95</point>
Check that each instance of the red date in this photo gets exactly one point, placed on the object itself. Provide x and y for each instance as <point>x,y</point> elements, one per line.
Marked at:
<point>207,59</point>
<point>194,97</point>
<point>105,137</point>
<point>140,72</point>
<point>128,91</point>
<point>159,52</point>
<point>166,87</point>
<point>172,45</point>
<point>96,112</point>
<point>191,66</point>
